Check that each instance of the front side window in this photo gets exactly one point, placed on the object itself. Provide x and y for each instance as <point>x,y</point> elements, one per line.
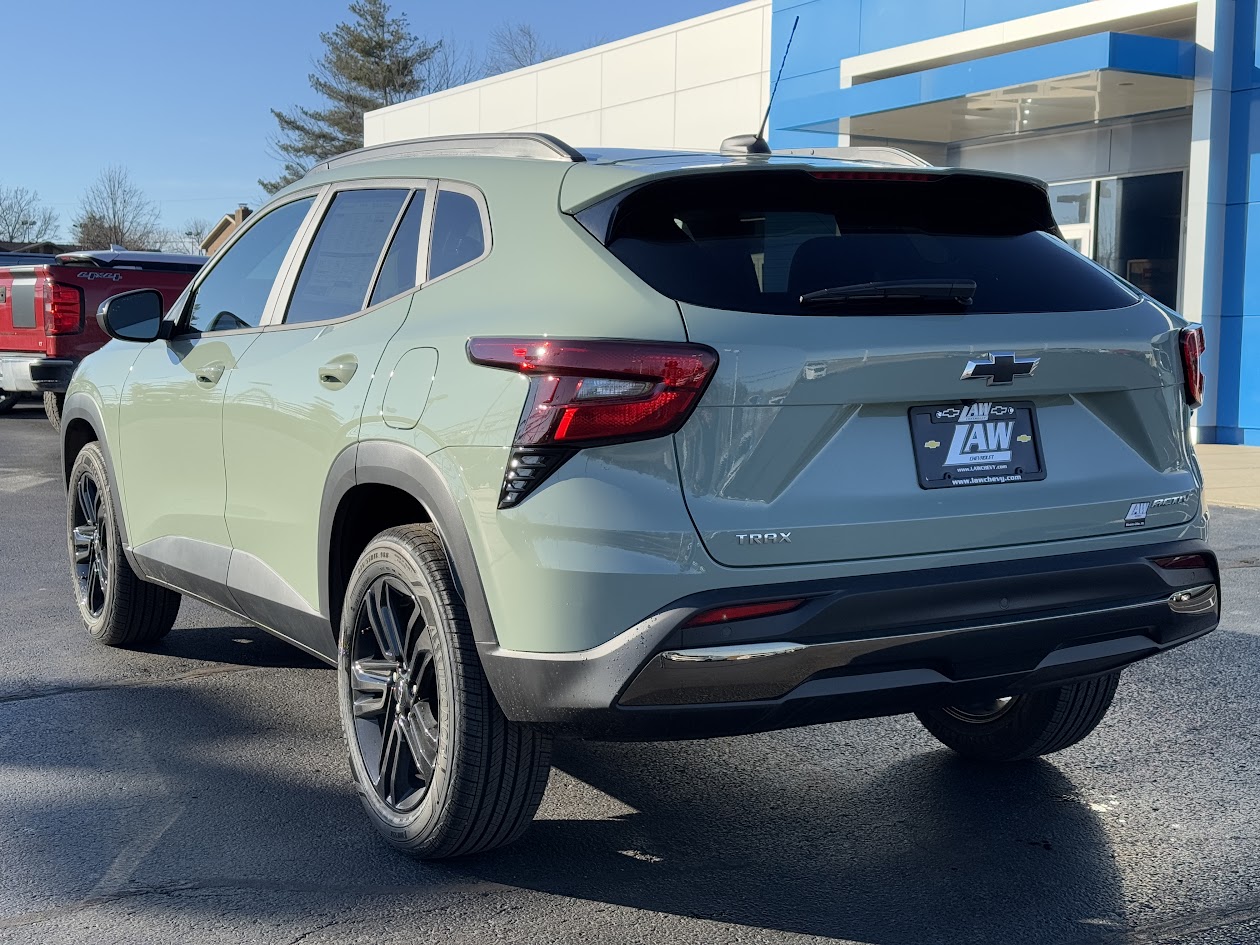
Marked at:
<point>234,293</point>
<point>338,269</point>
<point>459,235</point>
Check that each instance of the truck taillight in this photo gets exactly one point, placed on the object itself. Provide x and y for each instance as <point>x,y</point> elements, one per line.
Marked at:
<point>1191,362</point>
<point>592,393</point>
<point>63,309</point>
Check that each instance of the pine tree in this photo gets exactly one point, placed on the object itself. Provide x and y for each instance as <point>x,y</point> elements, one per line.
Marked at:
<point>372,62</point>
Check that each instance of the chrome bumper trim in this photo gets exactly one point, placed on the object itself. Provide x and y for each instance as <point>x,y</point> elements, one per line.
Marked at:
<point>1195,600</point>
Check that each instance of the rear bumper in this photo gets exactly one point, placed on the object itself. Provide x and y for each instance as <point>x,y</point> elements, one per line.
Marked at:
<point>861,647</point>
<point>24,373</point>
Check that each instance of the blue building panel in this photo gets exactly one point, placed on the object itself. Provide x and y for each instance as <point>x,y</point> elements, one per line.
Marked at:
<point>890,23</point>
<point>1153,55</point>
<point>1238,392</point>
<point>987,12</point>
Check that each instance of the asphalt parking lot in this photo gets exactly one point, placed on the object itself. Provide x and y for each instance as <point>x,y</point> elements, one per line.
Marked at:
<point>199,793</point>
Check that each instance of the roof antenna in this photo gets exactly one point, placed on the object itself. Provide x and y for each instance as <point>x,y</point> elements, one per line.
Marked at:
<point>756,144</point>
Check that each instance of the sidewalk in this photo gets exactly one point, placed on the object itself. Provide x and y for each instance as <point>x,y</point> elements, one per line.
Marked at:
<point>1231,474</point>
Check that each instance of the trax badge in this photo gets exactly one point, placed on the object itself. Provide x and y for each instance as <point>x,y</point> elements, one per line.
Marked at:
<point>1001,367</point>
<point>766,538</point>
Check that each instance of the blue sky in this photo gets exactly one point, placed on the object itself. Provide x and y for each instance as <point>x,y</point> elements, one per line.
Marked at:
<point>179,93</point>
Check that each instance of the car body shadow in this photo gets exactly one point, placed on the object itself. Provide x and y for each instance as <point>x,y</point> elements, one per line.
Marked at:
<point>928,849</point>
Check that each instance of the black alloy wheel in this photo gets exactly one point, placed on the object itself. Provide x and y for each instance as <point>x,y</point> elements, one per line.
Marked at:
<point>394,692</point>
<point>90,535</point>
<point>439,769</point>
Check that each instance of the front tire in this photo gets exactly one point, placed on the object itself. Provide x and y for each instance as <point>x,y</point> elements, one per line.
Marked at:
<point>117,606</point>
<point>53,402</point>
<point>1024,726</point>
<point>8,401</point>
<point>439,769</point>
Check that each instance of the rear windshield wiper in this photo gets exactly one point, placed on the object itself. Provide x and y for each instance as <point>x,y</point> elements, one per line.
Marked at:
<point>960,291</point>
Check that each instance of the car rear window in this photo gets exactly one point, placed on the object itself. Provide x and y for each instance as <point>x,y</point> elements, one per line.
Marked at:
<point>758,241</point>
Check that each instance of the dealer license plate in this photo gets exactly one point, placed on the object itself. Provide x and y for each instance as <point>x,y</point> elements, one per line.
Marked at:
<point>976,444</point>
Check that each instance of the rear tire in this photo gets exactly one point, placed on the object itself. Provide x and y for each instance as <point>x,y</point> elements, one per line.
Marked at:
<point>8,401</point>
<point>440,770</point>
<point>117,606</point>
<point>52,407</point>
<point>1025,726</point>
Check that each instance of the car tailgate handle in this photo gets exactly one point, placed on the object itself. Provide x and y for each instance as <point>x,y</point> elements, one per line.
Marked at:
<point>209,374</point>
<point>338,373</point>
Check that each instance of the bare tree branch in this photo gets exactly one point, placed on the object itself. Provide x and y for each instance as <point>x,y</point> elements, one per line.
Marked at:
<point>114,210</point>
<point>23,219</point>
<point>452,63</point>
<point>187,239</point>
<point>516,45</point>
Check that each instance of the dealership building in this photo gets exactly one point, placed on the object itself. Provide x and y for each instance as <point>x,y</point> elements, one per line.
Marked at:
<point>1142,115</point>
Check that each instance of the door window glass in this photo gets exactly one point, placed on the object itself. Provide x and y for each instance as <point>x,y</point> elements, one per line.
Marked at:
<point>338,269</point>
<point>458,233</point>
<point>234,293</point>
<point>398,272</point>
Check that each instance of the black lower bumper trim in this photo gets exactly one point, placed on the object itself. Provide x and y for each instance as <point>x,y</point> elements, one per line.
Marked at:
<point>52,374</point>
<point>865,647</point>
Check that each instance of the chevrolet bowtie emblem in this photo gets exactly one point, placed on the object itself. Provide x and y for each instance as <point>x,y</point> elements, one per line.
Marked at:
<point>1001,367</point>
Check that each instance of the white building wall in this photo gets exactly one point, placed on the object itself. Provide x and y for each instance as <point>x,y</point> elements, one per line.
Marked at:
<point>687,86</point>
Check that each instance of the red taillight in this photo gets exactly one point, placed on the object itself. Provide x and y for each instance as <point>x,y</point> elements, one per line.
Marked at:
<point>1191,357</point>
<point>63,309</point>
<point>600,391</point>
<point>873,175</point>
<point>1183,562</point>
<point>588,393</point>
<point>743,612</point>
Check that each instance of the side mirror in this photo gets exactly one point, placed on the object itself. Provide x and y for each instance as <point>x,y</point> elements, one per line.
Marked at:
<point>132,316</point>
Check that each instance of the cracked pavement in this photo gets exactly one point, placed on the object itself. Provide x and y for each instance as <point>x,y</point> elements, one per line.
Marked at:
<point>199,793</point>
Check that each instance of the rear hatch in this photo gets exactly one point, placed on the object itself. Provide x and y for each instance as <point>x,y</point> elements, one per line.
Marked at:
<point>910,363</point>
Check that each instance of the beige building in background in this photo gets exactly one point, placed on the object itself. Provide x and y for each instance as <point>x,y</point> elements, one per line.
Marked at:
<point>220,232</point>
<point>686,86</point>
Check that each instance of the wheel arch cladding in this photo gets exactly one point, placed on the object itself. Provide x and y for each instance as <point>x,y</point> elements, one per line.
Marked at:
<point>376,485</point>
<point>81,424</point>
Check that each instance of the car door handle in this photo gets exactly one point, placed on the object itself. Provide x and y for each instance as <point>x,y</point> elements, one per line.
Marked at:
<point>209,374</point>
<point>338,373</point>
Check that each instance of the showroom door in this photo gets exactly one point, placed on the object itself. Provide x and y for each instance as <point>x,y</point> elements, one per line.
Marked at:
<point>170,417</point>
<point>295,402</point>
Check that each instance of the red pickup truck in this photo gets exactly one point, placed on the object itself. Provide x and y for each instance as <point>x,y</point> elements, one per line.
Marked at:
<point>48,314</point>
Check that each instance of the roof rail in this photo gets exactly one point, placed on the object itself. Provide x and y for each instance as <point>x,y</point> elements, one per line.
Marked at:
<point>878,153</point>
<point>523,144</point>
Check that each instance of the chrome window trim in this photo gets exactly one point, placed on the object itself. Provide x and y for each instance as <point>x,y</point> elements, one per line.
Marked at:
<point>182,309</point>
<point>479,198</point>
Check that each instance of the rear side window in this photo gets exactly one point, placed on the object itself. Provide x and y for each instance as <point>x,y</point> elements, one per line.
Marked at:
<point>398,272</point>
<point>459,235</point>
<point>758,241</point>
<point>338,268</point>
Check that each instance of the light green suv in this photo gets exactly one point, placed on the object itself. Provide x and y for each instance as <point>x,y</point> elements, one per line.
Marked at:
<point>529,441</point>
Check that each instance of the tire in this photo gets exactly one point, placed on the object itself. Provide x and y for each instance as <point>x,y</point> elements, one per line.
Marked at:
<point>474,779</point>
<point>1025,726</point>
<point>52,407</point>
<point>117,606</point>
<point>8,401</point>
